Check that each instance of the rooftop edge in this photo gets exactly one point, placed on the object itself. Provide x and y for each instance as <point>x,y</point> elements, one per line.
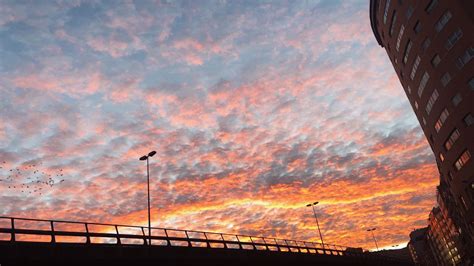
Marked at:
<point>373,21</point>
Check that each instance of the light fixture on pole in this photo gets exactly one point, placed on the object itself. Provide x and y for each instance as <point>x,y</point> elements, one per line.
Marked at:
<point>372,230</point>
<point>317,223</point>
<point>143,158</point>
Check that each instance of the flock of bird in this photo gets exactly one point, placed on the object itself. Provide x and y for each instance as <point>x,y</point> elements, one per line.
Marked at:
<point>29,179</point>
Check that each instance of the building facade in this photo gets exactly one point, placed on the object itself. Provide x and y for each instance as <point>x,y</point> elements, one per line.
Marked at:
<point>431,45</point>
<point>443,237</point>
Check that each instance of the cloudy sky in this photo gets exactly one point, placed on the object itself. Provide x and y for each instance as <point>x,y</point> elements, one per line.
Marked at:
<point>255,108</point>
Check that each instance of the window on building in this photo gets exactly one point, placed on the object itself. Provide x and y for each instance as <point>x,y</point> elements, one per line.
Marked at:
<point>442,118</point>
<point>445,79</point>
<point>435,60</point>
<point>416,105</point>
<point>409,89</point>
<point>471,83</point>
<point>385,13</point>
<point>463,202</point>
<point>399,38</point>
<point>458,257</point>
<point>468,119</point>
<point>407,51</point>
<point>417,27</point>
<point>448,144</point>
<point>465,58</point>
<point>415,67</point>
<point>462,160</point>
<point>410,10</point>
<point>392,24</point>
<point>434,96</point>
<point>424,121</point>
<point>426,43</point>
<point>423,82</point>
<point>453,39</point>
<point>431,6</point>
<point>441,157</point>
<point>451,176</point>
<point>456,99</point>
<point>443,21</point>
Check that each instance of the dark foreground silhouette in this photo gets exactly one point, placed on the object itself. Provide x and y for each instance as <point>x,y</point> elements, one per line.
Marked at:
<point>112,254</point>
<point>47,242</point>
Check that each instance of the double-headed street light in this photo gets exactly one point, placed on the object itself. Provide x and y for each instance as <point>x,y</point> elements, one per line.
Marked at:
<point>372,230</point>
<point>143,158</point>
<point>316,217</point>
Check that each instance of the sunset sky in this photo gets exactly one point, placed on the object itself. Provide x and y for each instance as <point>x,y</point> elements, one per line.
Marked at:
<point>255,108</point>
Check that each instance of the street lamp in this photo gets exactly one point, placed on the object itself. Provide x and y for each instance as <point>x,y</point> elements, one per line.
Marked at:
<point>316,217</point>
<point>372,230</point>
<point>143,158</point>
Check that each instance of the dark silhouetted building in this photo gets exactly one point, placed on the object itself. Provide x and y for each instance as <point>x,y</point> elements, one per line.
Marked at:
<point>419,247</point>
<point>431,45</point>
<point>401,253</point>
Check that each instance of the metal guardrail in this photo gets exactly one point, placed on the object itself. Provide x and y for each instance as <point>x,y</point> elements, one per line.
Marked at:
<point>14,229</point>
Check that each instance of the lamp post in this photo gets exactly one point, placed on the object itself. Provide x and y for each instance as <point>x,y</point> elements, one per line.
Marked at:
<point>143,158</point>
<point>316,217</point>
<point>372,230</point>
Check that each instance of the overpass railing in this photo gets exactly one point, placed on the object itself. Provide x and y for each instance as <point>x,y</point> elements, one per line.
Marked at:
<point>14,229</point>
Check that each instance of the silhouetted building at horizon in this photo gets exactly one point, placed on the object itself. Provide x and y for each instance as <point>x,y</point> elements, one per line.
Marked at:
<point>430,44</point>
<point>401,253</point>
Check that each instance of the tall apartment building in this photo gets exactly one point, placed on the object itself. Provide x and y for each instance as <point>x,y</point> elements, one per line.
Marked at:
<point>442,238</point>
<point>431,45</point>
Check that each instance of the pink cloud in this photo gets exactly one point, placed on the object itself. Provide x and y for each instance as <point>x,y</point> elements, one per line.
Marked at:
<point>71,83</point>
<point>124,90</point>
<point>194,52</point>
<point>188,44</point>
<point>115,48</point>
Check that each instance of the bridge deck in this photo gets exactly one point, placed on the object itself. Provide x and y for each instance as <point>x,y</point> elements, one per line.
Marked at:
<point>59,242</point>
